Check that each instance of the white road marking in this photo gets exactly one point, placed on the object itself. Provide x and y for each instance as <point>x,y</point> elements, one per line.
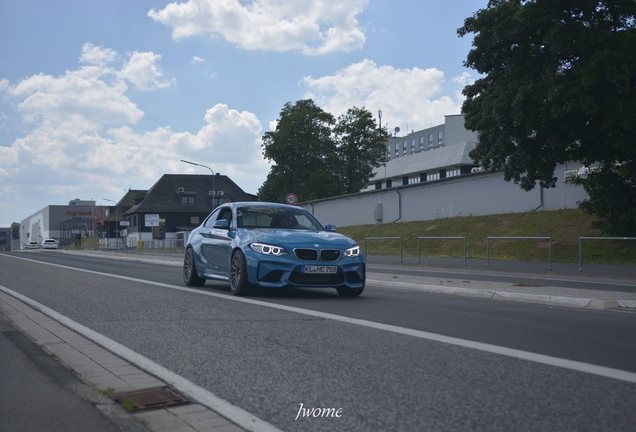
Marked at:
<point>197,394</point>
<point>508,276</point>
<point>495,349</point>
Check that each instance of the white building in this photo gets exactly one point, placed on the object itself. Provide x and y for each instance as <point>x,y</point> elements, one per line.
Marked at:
<point>430,154</point>
<point>61,222</point>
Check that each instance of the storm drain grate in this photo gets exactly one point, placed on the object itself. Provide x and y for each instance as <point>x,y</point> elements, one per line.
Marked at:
<point>152,398</point>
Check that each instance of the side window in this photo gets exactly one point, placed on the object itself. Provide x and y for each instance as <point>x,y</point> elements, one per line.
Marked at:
<point>211,219</point>
<point>226,213</point>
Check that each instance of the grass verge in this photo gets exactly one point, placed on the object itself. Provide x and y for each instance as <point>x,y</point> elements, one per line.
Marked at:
<point>563,226</point>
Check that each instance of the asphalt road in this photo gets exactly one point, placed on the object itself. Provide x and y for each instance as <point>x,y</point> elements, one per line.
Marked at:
<point>268,361</point>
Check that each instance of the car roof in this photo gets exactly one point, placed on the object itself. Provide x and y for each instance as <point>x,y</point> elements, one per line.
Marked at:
<point>262,204</point>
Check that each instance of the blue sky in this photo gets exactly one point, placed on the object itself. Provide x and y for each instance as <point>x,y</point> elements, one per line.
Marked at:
<point>97,97</point>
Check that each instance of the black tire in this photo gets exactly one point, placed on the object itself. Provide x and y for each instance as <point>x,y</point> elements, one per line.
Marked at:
<point>349,292</point>
<point>190,275</point>
<point>239,284</point>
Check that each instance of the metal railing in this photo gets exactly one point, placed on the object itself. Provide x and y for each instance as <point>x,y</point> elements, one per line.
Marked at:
<point>154,245</point>
<point>596,238</point>
<point>438,238</point>
<point>382,238</point>
<point>549,239</point>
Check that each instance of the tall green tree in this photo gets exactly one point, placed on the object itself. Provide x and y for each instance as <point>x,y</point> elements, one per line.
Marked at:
<point>558,84</point>
<point>361,147</point>
<point>303,153</point>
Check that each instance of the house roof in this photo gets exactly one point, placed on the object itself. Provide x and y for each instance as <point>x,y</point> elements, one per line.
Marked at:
<point>127,201</point>
<point>435,158</point>
<point>165,195</point>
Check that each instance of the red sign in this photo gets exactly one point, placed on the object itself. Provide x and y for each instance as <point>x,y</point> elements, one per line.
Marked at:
<point>291,199</point>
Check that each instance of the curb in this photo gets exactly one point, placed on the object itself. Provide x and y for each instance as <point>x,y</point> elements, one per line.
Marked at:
<point>510,296</point>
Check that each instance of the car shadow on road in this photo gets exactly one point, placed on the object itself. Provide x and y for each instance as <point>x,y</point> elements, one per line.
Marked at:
<point>279,293</point>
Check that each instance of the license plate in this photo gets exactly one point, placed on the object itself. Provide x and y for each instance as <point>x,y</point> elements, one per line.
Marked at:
<point>319,269</point>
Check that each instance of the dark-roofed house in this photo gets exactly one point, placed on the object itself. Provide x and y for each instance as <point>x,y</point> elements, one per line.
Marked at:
<point>181,202</point>
<point>114,214</point>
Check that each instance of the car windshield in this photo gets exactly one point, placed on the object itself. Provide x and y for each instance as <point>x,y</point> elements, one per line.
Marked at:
<point>276,217</point>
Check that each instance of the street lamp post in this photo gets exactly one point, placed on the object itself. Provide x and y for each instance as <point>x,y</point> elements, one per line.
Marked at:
<point>213,179</point>
<point>116,221</point>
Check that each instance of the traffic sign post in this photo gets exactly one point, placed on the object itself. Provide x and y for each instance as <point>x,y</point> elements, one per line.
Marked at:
<point>291,199</point>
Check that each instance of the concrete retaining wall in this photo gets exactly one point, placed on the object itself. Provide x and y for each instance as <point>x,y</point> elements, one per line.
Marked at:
<point>475,194</point>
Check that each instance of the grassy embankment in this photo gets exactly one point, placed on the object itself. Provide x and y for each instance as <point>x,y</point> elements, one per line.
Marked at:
<point>563,226</point>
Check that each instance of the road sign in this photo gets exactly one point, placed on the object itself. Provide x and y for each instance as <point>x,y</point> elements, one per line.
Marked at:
<point>152,220</point>
<point>291,199</point>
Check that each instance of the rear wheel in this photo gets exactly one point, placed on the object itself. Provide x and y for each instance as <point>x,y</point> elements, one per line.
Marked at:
<point>239,285</point>
<point>190,276</point>
<point>349,292</point>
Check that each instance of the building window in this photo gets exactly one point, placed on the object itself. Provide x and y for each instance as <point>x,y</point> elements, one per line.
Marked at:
<point>430,139</point>
<point>378,185</point>
<point>397,149</point>
<point>421,142</point>
<point>389,183</point>
<point>194,220</point>
<point>405,181</point>
<point>440,137</point>
<point>187,200</point>
<point>414,180</point>
<point>412,145</point>
<point>388,151</point>
<point>433,176</point>
<point>453,173</point>
<point>423,177</point>
<point>404,148</point>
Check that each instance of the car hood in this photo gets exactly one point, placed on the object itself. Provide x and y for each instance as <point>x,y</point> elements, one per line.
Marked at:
<point>297,237</point>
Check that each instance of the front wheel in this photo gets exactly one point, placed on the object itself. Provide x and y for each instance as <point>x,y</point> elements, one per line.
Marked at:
<point>349,292</point>
<point>190,276</point>
<point>239,285</point>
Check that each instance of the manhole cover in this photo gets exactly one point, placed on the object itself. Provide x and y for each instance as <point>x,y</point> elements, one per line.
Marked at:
<point>152,398</point>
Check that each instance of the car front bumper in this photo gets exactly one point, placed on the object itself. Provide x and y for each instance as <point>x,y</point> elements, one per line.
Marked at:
<point>287,271</point>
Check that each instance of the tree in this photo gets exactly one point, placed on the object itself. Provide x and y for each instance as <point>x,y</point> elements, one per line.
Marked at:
<point>316,157</point>
<point>304,154</point>
<point>612,192</point>
<point>361,147</point>
<point>558,85</point>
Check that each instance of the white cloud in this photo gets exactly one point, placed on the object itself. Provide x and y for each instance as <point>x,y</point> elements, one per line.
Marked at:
<point>310,26</point>
<point>197,59</point>
<point>405,96</point>
<point>143,72</point>
<point>89,93</point>
<point>92,54</point>
<point>81,142</point>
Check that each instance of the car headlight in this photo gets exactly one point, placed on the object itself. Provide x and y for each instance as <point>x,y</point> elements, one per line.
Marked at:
<point>266,249</point>
<point>353,252</point>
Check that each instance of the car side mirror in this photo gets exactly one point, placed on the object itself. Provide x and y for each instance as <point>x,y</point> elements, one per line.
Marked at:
<point>331,227</point>
<point>221,224</point>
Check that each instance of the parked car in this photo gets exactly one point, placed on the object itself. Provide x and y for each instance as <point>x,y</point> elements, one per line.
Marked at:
<point>271,246</point>
<point>50,244</point>
<point>33,245</point>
